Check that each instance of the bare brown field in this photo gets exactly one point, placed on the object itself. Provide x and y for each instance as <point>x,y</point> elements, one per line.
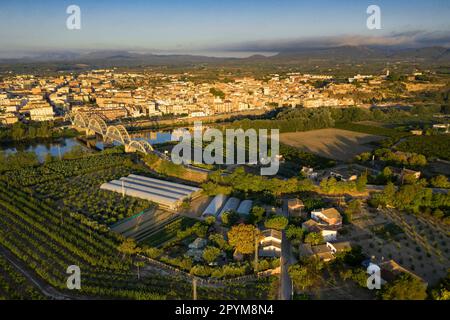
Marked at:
<point>331,143</point>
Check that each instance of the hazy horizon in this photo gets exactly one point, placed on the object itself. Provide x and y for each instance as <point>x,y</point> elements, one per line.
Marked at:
<point>231,29</point>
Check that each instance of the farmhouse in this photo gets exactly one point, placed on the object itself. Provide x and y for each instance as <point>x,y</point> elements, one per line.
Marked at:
<point>270,245</point>
<point>328,251</point>
<point>295,207</point>
<point>329,216</point>
<point>312,226</point>
<point>400,174</point>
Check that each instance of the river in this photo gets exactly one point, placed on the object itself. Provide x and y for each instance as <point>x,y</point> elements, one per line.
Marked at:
<point>59,147</point>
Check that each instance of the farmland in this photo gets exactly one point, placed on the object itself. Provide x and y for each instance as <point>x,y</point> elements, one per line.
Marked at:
<point>417,243</point>
<point>44,236</point>
<point>336,144</point>
<point>430,146</point>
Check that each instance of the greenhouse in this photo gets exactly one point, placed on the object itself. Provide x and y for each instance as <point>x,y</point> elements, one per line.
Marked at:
<point>167,194</point>
<point>215,205</point>
<point>231,205</point>
<point>245,207</point>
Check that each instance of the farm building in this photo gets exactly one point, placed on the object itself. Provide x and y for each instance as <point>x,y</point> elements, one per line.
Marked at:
<point>215,205</point>
<point>245,207</point>
<point>166,194</point>
<point>270,245</point>
<point>231,205</point>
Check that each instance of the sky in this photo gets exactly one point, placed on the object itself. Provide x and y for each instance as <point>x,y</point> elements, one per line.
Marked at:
<point>190,26</point>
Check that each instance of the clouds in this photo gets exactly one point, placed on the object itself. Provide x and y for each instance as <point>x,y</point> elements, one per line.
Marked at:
<point>408,39</point>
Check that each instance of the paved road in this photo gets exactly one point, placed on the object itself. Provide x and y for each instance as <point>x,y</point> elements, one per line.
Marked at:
<point>285,280</point>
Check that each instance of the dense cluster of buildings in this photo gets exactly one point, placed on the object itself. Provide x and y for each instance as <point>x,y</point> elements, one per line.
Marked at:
<point>124,94</point>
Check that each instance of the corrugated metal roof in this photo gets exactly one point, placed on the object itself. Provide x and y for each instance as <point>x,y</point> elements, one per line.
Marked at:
<point>165,183</point>
<point>158,191</point>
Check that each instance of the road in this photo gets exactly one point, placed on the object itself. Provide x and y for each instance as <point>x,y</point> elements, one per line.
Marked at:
<point>381,188</point>
<point>286,260</point>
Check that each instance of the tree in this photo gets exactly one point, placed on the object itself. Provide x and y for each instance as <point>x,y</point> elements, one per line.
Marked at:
<point>306,274</point>
<point>440,181</point>
<point>294,232</point>
<point>442,291</point>
<point>152,252</point>
<point>49,158</point>
<point>363,157</point>
<point>210,254</point>
<point>277,223</point>
<point>352,208</point>
<point>257,214</point>
<point>210,220</point>
<point>243,237</point>
<point>387,173</point>
<point>128,247</point>
<point>404,287</point>
<point>219,240</point>
<point>230,218</point>
<point>361,182</point>
<point>314,238</point>
<point>409,179</point>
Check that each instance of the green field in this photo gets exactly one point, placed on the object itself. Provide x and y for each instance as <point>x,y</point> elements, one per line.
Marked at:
<point>168,231</point>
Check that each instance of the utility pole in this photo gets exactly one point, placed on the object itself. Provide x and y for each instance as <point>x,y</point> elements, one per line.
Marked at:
<point>256,252</point>
<point>292,289</point>
<point>123,190</point>
<point>194,288</point>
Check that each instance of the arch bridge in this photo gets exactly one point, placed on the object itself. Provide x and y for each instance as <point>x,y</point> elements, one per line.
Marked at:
<point>96,124</point>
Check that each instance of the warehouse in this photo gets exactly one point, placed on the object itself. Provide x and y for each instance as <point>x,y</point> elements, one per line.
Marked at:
<point>215,205</point>
<point>166,194</point>
<point>245,207</point>
<point>231,205</point>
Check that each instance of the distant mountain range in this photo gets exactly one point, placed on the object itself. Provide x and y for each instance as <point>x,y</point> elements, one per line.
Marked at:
<point>440,55</point>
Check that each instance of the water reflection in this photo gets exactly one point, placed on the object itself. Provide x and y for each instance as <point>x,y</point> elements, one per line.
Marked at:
<point>42,148</point>
<point>58,148</point>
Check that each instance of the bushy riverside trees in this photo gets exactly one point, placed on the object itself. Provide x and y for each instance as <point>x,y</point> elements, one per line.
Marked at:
<point>17,160</point>
<point>35,130</point>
